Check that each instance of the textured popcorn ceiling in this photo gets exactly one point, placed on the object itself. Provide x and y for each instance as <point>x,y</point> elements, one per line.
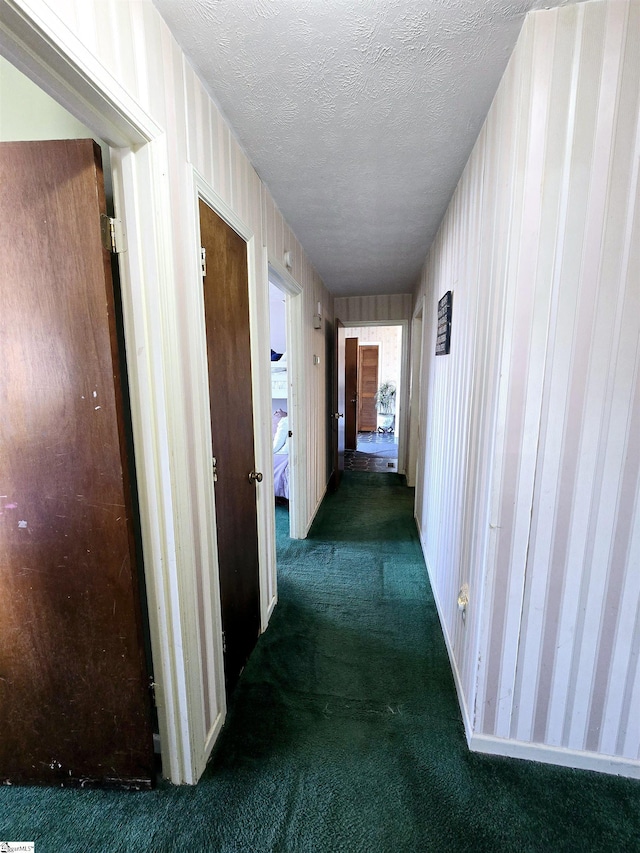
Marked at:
<point>359,115</point>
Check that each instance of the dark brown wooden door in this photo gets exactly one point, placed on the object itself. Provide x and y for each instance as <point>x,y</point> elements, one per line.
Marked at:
<point>351,393</point>
<point>74,699</point>
<point>367,387</point>
<point>226,302</point>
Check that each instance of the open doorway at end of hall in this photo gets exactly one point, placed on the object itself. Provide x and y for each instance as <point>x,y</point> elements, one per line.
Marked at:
<point>373,416</point>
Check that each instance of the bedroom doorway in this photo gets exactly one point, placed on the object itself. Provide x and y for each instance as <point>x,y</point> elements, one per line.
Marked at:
<point>287,419</point>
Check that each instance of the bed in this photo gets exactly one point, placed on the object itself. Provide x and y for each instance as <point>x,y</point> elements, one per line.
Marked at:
<point>281,454</point>
<point>279,395</point>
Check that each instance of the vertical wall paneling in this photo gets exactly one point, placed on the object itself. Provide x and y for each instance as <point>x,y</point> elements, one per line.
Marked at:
<point>360,309</point>
<point>533,492</point>
<point>85,24</point>
<point>548,129</point>
<point>615,132</point>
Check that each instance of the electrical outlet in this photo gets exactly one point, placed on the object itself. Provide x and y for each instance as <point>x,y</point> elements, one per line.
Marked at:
<point>463,600</point>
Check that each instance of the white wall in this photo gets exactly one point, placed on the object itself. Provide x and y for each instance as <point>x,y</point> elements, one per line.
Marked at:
<point>26,112</point>
<point>29,113</point>
<point>277,326</point>
<point>124,49</point>
<point>389,340</point>
<point>534,418</point>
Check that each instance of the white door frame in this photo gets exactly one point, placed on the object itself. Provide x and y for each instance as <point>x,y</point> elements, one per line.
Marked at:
<point>204,502</point>
<point>415,393</point>
<point>282,279</point>
<point>37,42</point>
<point>404,385</point>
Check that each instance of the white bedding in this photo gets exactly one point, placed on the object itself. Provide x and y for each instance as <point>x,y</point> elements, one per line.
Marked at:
<point>281,456</point>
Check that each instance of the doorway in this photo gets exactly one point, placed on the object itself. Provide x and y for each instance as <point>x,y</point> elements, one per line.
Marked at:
<point>62,332</point>
<point>288,423</point>
<point>282,437</point>
<point>281,420</point>
<point>225,281</point>
<point>374,358</point>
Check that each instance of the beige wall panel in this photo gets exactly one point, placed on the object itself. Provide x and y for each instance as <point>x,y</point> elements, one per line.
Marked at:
<point>354,309</point>
<point>550,528</point>
<point>199,143</point>
<point>85,25</point>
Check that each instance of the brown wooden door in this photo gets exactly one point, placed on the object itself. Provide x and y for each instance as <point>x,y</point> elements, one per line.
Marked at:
<point>351,393</point>
<point>226,302</point>
<point>74,699</point>
<point>367,387</point>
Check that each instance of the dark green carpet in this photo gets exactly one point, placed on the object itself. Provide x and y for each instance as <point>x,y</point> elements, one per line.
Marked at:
<point>345,734</point>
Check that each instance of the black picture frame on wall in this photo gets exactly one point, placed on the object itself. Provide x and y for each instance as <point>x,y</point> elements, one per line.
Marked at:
<point>443,338</point>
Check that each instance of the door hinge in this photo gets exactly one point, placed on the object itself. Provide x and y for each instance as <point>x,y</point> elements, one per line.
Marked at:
<point>203,260</point>
<point>224,643</point>
<point>214,465</point>
<point>112,233</point>
<point>152,690</point>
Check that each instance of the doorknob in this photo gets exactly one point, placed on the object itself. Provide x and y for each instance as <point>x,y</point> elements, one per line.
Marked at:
<point>338,415</point>
<point>255,477</point>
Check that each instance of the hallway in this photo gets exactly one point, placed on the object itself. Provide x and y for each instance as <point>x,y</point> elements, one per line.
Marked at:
<point>344,733</point>
<point>376,452</point>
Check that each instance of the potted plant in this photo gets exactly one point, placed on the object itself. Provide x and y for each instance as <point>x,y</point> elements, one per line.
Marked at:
<point>385,400</point>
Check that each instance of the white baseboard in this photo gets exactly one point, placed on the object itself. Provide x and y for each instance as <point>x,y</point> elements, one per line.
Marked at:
<point>490,745</point>
<point>559,755</point>
<point>209,743</point>
<point>270,610</point>
<point>314,513</point>
<point>466,718</point>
